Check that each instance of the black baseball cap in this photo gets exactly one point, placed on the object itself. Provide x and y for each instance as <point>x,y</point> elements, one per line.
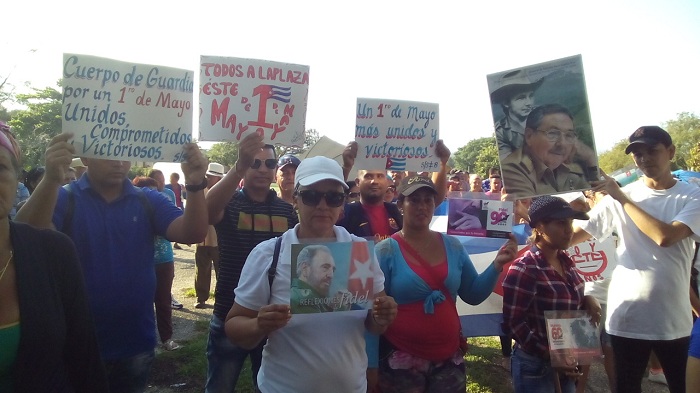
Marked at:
<point>552,208</point>
<point>649,135</point>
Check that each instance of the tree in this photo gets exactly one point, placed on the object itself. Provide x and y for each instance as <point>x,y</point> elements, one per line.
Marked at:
<point>694,158</point>
<point>615,158</point>
<point>487,159</point>
<point>6,91</point>
<point>225,153</point>
<point>477,155</point>
<point>35,126</point>
<point>685,132</point>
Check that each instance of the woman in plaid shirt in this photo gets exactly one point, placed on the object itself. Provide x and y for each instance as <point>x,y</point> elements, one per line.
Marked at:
<point>543,279</point>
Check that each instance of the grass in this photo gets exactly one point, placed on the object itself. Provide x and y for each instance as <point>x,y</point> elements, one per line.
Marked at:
<point>190,293</point>
<point>188,366</point>
<point>185,370</point>
<point>484,371</point>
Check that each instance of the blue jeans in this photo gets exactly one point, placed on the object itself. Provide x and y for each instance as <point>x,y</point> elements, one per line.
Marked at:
<point>532,374</point>
<point>226,360</point>
<point>129,375</point>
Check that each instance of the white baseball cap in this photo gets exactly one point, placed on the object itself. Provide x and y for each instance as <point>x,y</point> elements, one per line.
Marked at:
<point>315,169</point>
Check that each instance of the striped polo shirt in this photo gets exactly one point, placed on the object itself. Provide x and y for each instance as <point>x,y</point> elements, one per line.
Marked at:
<point>245,224</point>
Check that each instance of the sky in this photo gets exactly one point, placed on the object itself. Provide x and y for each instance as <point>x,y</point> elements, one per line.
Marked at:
<point>641,58</point>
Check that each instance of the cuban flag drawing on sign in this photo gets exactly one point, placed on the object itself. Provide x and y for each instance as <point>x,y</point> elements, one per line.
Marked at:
<point>396,164</point>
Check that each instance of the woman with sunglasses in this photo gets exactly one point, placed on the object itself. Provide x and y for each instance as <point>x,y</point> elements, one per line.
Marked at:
<point>543,279</point>
<point>306,352</point>
<point>425,272</point>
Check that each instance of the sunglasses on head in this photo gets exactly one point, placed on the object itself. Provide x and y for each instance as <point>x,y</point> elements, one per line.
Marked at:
<point>270,163</point>
<point>313,198</point>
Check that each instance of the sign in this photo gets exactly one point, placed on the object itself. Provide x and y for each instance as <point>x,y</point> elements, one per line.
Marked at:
<point>241,96</point>
<point>329,277</point>
<point>595,260</point>
<point>573,339</point>
<point>396,135</point>
<point>556,153</point>
<point>479,217</point>
<point>126,111</point>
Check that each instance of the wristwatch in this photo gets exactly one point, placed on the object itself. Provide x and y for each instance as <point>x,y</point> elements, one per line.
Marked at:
<point>196,187</point>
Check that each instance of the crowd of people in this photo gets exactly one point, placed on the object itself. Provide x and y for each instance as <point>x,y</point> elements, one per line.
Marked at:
<point>86,272</point>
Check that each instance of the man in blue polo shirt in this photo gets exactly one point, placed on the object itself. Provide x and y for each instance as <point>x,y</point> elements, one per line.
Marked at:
<point>112,224</point>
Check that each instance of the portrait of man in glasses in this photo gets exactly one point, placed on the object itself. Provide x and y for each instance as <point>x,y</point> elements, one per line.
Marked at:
<point>544,164</point>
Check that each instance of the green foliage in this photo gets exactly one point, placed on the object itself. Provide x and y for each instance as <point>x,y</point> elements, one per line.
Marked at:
<point>477,156</point>
<point>225,153</point>
<point>694,158</point>
<point>6,94</point>
<point>35,126</point>
<point>685,131</point>
<point>135,171</point>
<point>615,158</point>
<point>487,159</point>
<point>484,373</point>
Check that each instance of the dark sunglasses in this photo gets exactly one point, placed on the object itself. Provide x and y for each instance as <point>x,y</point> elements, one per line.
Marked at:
<point>313,198</point>
<point>270,163</point>
<point>353,194</point>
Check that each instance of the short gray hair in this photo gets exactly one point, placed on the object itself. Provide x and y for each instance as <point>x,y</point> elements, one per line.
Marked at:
<point>307,254</point>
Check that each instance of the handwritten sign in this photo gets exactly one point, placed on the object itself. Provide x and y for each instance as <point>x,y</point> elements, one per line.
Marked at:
<point>241,96</point>
<point>396,135</point>
<point>328,277</point>
<point>595,260</point>
<point>126,111</point>
<point>479,217</point>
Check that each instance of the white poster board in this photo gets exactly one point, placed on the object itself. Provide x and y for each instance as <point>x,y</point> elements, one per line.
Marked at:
<point>126,111</point>
<point>595,260</point>
<point>396,135</point>
<point>241,96</point>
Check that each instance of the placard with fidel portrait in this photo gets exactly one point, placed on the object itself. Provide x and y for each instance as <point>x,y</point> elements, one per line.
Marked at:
<point>543,128</point>
<point>329,277</point>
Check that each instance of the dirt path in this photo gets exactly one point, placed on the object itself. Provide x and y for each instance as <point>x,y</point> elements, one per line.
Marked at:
<point>184,320</point>
<point>184,325</point>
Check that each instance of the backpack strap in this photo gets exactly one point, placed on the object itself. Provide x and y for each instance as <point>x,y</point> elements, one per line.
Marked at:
<point>272,271</point>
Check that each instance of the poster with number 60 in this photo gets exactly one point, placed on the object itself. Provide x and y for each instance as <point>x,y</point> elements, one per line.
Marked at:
<point>241,96</point>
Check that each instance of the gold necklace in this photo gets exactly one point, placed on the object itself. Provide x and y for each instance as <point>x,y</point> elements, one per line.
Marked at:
<point>2,274</point>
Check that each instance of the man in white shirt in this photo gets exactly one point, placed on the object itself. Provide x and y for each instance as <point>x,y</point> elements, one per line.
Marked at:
<point>657,219</point>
